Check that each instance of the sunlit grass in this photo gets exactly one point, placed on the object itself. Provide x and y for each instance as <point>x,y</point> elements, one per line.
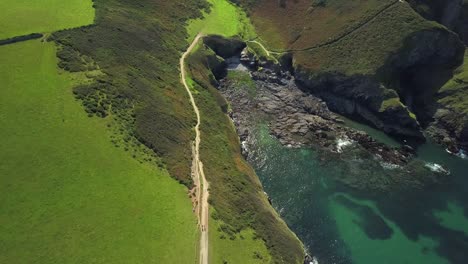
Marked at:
<point>21,17</point>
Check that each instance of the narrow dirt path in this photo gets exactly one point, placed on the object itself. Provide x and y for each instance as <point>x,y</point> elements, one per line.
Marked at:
<point>198,175</point>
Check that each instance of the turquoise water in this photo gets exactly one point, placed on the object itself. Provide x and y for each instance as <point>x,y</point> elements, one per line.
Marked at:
<point>374,133</point>
<point>340,225</point>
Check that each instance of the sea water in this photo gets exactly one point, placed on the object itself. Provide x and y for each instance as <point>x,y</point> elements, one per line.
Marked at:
<point>342,225</point>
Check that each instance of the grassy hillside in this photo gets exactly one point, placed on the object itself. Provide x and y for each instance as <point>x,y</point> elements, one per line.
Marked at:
<point>137,46</point>
<point>349,37</point>
<point>40,16</point>
<point>303,24</point>
<point>382,36</point>
<point>67,195</point>
<point>235,191</point>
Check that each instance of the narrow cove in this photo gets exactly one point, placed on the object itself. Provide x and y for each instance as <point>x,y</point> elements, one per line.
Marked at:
<point>351,193</point>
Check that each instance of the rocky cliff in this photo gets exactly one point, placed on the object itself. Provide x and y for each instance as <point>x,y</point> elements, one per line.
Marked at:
<point>388,97</point>
<point>382,63</point>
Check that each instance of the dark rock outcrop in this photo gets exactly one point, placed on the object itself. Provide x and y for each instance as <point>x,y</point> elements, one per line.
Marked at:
<point>224,47</point>
<point>449,129</point>
<point>364,98</point>
<point>446,12</point>
<point>373,98</point>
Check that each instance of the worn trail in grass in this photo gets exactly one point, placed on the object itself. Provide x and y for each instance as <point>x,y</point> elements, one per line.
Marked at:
<point>228,20</point>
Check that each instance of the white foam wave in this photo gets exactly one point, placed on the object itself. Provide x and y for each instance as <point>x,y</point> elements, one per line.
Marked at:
<point>389,166</point>
<point>342,143</point>
<point>462,154</point>
<point>436,168</point>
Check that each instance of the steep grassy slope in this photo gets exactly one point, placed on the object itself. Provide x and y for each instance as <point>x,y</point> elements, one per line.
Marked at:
<point>67,195</point>
<point>235,191</point>
<point>40,16</point>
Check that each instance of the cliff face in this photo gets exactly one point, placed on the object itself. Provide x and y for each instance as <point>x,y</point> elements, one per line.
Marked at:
<point>446,12</point>
<point>451,13</point>
<point>421,67</point>
<point>362,97</point>
<point>381,99</point>
<point>383,62</point>
<point>450,123</point>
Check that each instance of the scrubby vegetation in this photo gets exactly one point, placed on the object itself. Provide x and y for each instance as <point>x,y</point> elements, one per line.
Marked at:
<point>20,39</point>
<point>235,191</point>
<point>137,46</point>
<point>227,246</point>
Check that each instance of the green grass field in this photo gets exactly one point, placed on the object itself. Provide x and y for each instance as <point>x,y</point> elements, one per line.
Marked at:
<point>224,19</point>
<point>21,17</point>
<point>67,195</point>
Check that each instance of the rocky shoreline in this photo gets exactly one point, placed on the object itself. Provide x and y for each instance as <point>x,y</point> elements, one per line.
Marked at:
<point>299,119</point>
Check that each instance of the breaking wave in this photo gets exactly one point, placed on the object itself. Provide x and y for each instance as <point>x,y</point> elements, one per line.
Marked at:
<point>436,168</point>
<point>341,143</point>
